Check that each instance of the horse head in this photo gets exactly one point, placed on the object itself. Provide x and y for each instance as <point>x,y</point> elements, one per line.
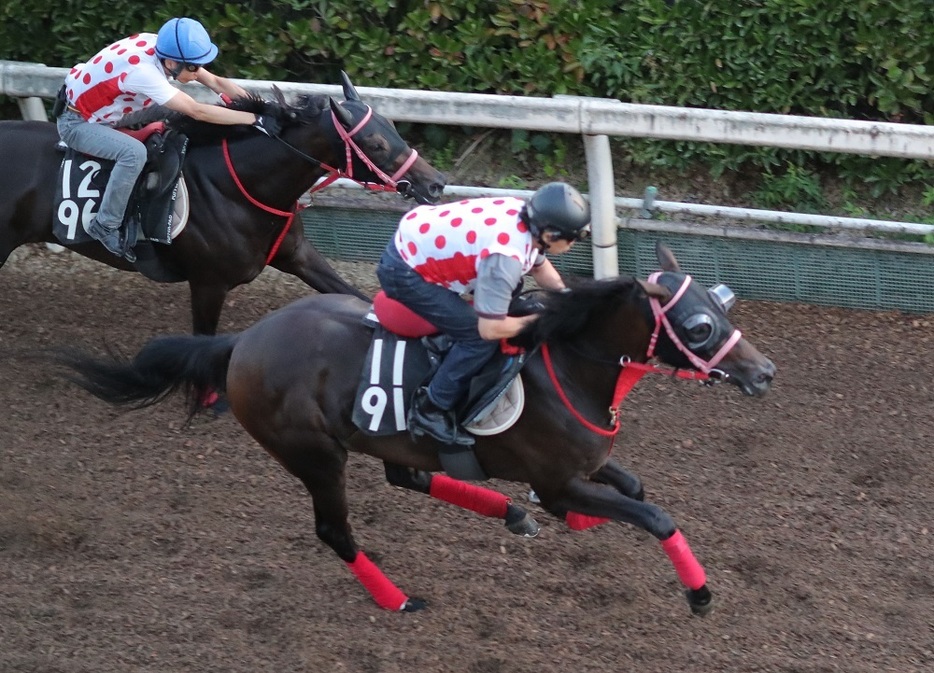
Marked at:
<point>692,329</point>
<point>379,152</point>
<point>670,317</point>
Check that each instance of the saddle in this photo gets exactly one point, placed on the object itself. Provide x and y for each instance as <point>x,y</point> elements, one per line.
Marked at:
<point>404,353</point>
<point>158,207</point>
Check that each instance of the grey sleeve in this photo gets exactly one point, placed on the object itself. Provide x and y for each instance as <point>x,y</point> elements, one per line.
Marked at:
<point>497,277</point>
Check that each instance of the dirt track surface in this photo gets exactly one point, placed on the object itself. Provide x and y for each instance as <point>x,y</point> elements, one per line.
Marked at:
<point>131,543</point>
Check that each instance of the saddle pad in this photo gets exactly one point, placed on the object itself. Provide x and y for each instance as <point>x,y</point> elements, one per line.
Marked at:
<point>81,182</point>
<point>502,413</point>
<point>396,366</point>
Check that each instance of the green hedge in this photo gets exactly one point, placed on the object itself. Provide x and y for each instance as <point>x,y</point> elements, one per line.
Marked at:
<point>861,59</point>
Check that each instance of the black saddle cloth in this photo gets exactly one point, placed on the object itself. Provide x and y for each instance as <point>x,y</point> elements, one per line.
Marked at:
<point>396,366</point>
<point>81,183</point>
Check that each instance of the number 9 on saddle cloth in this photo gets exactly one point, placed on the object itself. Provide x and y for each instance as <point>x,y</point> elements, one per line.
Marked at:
<point>406,351</point>
<point>158,207</point>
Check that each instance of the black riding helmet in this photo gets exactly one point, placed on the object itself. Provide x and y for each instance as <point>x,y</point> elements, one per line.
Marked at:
<point>559,209</point>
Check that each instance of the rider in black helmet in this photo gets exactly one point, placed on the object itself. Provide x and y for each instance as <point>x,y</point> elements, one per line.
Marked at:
<point>481,246</point>
<point>559,209</point>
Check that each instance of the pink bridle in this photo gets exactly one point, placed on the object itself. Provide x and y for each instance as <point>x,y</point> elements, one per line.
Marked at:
<point>390,182</point>
<point>631,372</point>
<point>661,318</point>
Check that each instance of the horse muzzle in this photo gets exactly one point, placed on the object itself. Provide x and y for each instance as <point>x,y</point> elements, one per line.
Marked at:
<point>755,380</point>
<point>408,190</point>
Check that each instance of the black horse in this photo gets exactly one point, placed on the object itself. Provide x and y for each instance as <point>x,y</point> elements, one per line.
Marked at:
<point>292,376</point>
<point>243,187</point>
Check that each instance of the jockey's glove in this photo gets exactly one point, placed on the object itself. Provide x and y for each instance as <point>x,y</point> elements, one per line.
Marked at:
<point>268,125</point>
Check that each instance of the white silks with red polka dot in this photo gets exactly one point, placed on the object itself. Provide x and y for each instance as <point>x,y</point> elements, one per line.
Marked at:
<point>121,78</point>
<point>445,243</point>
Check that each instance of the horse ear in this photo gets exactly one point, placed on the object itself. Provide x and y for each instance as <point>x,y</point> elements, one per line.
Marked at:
<point>343,114</point>
<point>279,96</point>
<point>666,257</point>
<point>660,292</point>
<point>349,92</point>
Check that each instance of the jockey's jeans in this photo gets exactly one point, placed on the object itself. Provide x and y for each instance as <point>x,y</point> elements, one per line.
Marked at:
<point>104,142</point>
<point>448,312</point>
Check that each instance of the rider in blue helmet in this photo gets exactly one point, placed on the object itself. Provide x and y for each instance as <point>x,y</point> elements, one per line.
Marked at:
<point>127,76</point>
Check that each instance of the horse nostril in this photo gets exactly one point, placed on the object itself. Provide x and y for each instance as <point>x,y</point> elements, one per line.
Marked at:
<point>436,189</point>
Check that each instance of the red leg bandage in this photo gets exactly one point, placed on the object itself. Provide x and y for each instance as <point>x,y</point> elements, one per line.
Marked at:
<point>577,521</point>
<point>690,572</point>
<point>475,498</point>
<point>386,594</point>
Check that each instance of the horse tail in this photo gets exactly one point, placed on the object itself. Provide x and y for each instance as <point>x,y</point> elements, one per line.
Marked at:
<point>163,366</point>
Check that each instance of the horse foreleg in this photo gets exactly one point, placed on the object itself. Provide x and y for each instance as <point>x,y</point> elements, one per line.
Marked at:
<point>305,262</point>
<point>329,498</point>
<point>622,480</point>
<point>596,500</point>
<point>477,499</point>
<point>207,300</point>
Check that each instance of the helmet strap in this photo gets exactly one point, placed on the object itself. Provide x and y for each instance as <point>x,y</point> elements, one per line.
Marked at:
<point>543,244</point>
<point>174,72</point>
<point>537,233</point>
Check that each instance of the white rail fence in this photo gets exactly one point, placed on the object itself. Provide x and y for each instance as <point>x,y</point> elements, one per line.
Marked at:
<point>595,119</point>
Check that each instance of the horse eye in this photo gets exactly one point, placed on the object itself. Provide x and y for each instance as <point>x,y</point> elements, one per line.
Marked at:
<point>374,144</point>
<point>698,329</point>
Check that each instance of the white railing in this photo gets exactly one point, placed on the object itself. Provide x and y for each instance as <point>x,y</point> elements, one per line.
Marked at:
<point>595,119</point>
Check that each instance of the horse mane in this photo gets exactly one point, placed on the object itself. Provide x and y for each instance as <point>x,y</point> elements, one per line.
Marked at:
<point>566,314</point>
<point>305,110</point>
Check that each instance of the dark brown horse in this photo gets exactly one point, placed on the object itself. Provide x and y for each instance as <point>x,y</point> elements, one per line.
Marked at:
<point>291,380</point>
<point>243,188</point>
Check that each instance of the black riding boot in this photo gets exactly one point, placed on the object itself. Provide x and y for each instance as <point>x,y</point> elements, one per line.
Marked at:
<point>427,419</point>
<point>114,240</point>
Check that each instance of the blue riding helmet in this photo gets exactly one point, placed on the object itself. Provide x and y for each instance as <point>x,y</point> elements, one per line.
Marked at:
<point>186,41</point>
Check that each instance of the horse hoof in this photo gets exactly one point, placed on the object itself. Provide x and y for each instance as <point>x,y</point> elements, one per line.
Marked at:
<point>700,600</point>
<point>220,407</point>
<point>414,605</point>
<point>519,522</point>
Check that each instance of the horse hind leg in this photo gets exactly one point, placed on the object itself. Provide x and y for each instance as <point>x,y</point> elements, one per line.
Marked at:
<point>477,499</point>
<point>327,486</point>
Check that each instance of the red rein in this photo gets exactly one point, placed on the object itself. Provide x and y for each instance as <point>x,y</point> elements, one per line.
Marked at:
<point>290,215</point>
<point>629,375</point>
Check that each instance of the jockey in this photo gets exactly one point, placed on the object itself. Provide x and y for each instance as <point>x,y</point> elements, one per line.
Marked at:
<point>482,246</point>
<point>125,77</point>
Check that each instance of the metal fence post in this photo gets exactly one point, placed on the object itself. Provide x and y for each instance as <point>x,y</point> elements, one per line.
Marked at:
<point>602,206</point>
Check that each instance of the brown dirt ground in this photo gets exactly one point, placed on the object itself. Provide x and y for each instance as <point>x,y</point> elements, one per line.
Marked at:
<point>131,543</point>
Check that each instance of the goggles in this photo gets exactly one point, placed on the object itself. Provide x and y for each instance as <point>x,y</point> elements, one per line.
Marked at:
<point>580,235</point>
